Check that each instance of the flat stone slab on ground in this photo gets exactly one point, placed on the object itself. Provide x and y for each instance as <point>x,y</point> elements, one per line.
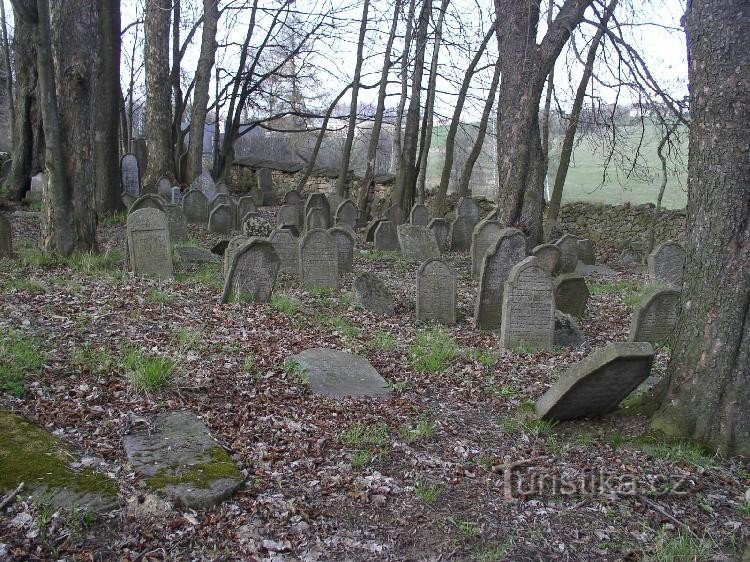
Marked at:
<point>339,374</point>
<point>196,255</point>
<point>178,457</point>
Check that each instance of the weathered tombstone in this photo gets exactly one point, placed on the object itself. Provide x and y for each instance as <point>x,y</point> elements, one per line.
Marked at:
<point>441,230</point>
<point>246,205</point>
<point>258,196</point>
<point>666,262</point>
<point>318,260</point>
<point>287,215</point>
<point>345,247</point>
<point>128,200</point>
<point>164,188</point>
<point>287,248</point>
<point>175,195</point>
<point>221,220</point>
<point>371,294</point>
<point>292,197</point>
<point>528,307</point>
<point>568,245</point>
<point>38,185</point>
<point>499,259</point>
<point>631,257</point>
<point>255,225</point>
<point>316,218</point>
<point>6,238</point>
<point>386,237</point>
<point>417,242</point>
<point>317,201</point>
<point>394,214</point>
<point>419,215</point>
<point>177,222</point>
<point>436,292</point>
<point>461,230</point>
<point>149,244</point>
<point>568,333</point>
<point>596,385</point>
<point>253,272</point>
<point>334,200</point>
<point>192,254</point>
<point>548,256</point>
<point>370,230</point>
<point>221,187</point>
<point>205,184</point>
<point>586,253</point>
<point>346,214</point>
<point>233,246</point>
<point>130,175</point>
<point>468,208</point>
<point>337,374</point>
<point>222,199</point>
<point>485,234</point>
<point>571,294</point>
<point>265,183</point>
<point>148,201</point>
<point>195,207</point>
<point>656,317</point>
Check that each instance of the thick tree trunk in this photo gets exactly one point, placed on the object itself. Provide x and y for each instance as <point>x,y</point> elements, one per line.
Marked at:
<point>708,389</point>
<point>404,76</point>
<point>6,63</point>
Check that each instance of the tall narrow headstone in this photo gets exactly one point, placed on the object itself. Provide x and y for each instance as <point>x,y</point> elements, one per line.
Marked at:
<point>175,195</point>
<point>467,207</point>
<point>287,215</point>
<point>394,214</point>
<point>568,245</point>
<point>318,260</point>
<point>666,262</point>
<point>485,234</point>
<point>318,201</point>
<point>205,184</point>
<point>6,238</point>
<point>258,196</point>
<point>461,230</point>
<point>417,242</point>
<point>441,230</point>
<point>346,214</point>
<point>370,230</point>
<point>265,183</point>
<point>586,253</point>
<point>436,292</point>
<point>656,317</point>
<point>246,205</point>
<point>177,222</point>
<point>386,237</point>
<point>130,175</point>
<point>149,244</point>
<point>548,256</point>
<point>221,220</point>
<point>253,272</point>
<point>345,247</point>
<point>316,218</point>
<point>419,215</point>
<point>195,207</point>
<point>571,294</point>
<point>528,307</point>
<point>287,248</point>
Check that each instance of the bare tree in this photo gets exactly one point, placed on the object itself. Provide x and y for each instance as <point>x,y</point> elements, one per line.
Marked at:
<point>6,62</point>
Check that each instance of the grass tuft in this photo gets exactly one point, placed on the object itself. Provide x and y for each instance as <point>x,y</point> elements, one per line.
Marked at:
<point>285,304</point>
<point>148,373</point>
<point>383,341</point>
<point>20,356</point>
<point>428,494</point>
<point>432,351</point>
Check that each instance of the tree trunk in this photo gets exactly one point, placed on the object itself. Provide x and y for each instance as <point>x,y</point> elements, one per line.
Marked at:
<point>8,69</point>
<point>708,389</point>
<point>547,101</point>
<point>397,145</point>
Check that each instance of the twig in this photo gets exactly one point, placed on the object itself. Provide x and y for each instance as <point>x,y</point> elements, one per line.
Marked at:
<point>10,497</point>
<point>656,507</point>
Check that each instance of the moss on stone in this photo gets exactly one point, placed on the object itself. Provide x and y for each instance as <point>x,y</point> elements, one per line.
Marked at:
<point>201,475</point>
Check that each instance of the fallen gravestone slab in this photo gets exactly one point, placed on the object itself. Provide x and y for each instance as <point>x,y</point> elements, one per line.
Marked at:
<point>338,374</point>
<point>178,458</point>
<point>568,333</point>
<point>596,385</point>
<point>371,294</point>
<point>656,317</point>
<point>192,254</point>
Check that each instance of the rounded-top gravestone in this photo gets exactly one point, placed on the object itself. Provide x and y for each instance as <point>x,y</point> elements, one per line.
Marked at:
<point>666,262</point>
<point>149,243</point>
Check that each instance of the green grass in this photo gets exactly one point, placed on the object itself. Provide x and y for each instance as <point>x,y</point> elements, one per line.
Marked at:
<point>616,440</point>
<point>681,547</point>
<point>490,552</point>
<point>148,373</point>
<point>428,494</point>
<point>524,348</point>
<point>285,304</point>
<point>467,528</point>
<point>90,263</point>
<point>344,327</point>
<point>320,292</point>
<point>31,285</point>
<point>296,372</point>
<point>365,436</point>
<point>360,459</point>
<point>423,430</point>
<point>117,218</point>
<point>209,274</point>
<point>20,356</point>
<point>636,295</point>
<point>678,451</point>
<point>485,358</point>
<point>95,360</point>
<point>186,338</point>
<point>607,288</point>
<point>432,350</point>
<point>160,296</point>
<point>33,256</point>
<point>383,341</point>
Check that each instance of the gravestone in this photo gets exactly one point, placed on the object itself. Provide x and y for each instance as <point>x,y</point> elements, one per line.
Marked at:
<point>548,256</point>
<point>666,262</point>
<point>468,208</point>
<point>175,195</point>
<point>6,238</point>
<point>345,247</point>
<point>586,253</point>
<point>164,188</point>
<point>568,333</point>
<point>509,250</point>
<point>38,184</point>
<point>130,175</point>
<point>419,215</point>
<point>461,230</point>
<point>178,448</point>
<point>485,234</point>
<point>177,222</point>
<point>528,307</point>
<point>233,246</point>
<point>338,374</point>
<point>149,244</point>
<point>436,292</point>
<point>441,230</point>
<point>417,242</point>
<point>205,184</point>
<point>255,225</point>
<point>370,230</point>
<point>371,294</point>
<point>394,214</point>
<point>221,187</point>
<point>316,218</point>
<point>568,245</point>
<point>148,201</point>
<point>598,384</point>
<point>346,214</point>
<point>287,215</point>
<point>258,196</point>
<point>195,207</point>
<point>128,200</point>
<point>318,260</point>
<point>631,257</point>
<point>252,273</point>
<point>221,220</point>
<point>386,237</point>
<point>246,205</point>
<point>287,248</point>
<point>191,254</point>
<point>318,201</point>
<point>222,199</point>
<point>571,294</point>
<point>656,317</point>
<point>292,197</point>
<point>264,177</point>
<point>334,200</point>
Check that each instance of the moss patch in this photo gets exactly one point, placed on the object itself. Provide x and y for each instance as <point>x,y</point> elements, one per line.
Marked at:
<point>201,475</point>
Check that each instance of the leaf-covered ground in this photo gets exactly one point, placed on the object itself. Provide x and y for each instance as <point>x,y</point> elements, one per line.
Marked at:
<point>452,466</point>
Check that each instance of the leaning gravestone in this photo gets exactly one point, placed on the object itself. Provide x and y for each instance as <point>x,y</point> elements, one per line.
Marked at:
<point>177,457</point>
<point>318,201</point>
<point>461,230</point>
<point>6,238</point>
<point>467,207</point>
<point>346,214</point>
<point>265,183</point>
<point>177,222</point>
<point>386,237</point>
<point>287,215</point>
<point>394,214</point>
<point>586,253</point>
<point>318,260</point>
<point>338,374</point>
<point>419,215</point>
<point>417,242</point>
<point>370,230</point>
<point>571,294</point>
<point>568,245</point>
<point>548,256</point>
<point>656,317</point>
<point>436,292</point>
<point>485,234</point>
<point>316,218</point>
<point>287,248</point>
<point>130,175</point>
<point>345,247</point>
<point>164,188</point>
<point>148,201</point>
<point>528,307</point>
<point>205,184</point>
<point>568,333</point>
<point>666,262</point>
<point>498,261</point>
<point>440,229</point>
<point>221,220</point>
<point>233,246</point>
<point>148,243</point>
<point>253,272</point>
<point>246,205</point>
<point>596,385</point>
<point>175,195</point>
<point>371,294</point>
<point>195,207</point>
<point>191,254</point>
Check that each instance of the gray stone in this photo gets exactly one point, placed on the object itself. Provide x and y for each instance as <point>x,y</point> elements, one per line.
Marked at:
<point>221,187</point>
<point>252,274</point>
<point>419,215</point>
<point>288,215</point>
<point>318,260</point>
<point>6,238</point>
<point>264,176</point>
<point>245,205</point>
<point>666,262</point>
<point>254,225</point>
<point>370,230</point>
<point>177,223</point>
<point>528,316</point>
<point>195,207</point>
<point>228,200</point>
<point>128,200</point>
<point>148,201</point>
<point>631,257</point>
<point>417,242</point>
<point>386,236</point>
<point>287,248</point>
<point>318,201</point>
<point>468,208</point>
<point>568,333</point>
<point>346,214</point>
<point>586,253</point>
<point>656,317</point>
<point>130,175</point>
<point>178,458</point>
<point>548,256</point>
<point>394,214</point>
<point>192,254</point>
<point>571,294</point>
<point>568,245</point>
<point>486,234</point>
<point>233,246</point>
<point>38,185</point>
<point>596,385</point>
<point>436,292</point>
<point>441,230</point>
<point>337,374</point>
<point>205,184</point>
<point>345,247</point>
<point>293,197</point>
<point>148,243</point>
<point>509,250</point>
<point>221,220</point>
<point>175,195</point>
<point>164,188</point>
<point>258,196</point>
<point>461,230</point>
<point>371,294</point>
<point>316,218</point>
